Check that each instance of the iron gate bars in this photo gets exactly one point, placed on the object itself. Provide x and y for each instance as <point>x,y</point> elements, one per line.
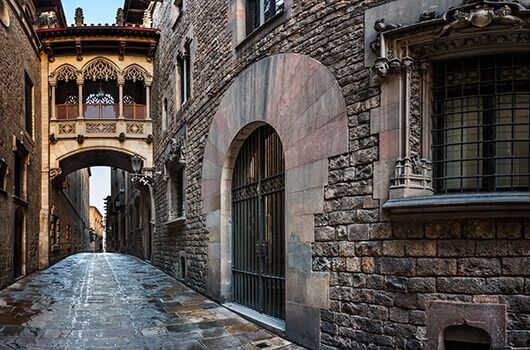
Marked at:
<point>258,221</point>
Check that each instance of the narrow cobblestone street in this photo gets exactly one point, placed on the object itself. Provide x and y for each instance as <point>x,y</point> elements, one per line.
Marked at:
<point>114,301</point>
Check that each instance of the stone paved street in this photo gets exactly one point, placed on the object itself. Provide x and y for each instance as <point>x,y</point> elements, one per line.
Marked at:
<point>114,301</point>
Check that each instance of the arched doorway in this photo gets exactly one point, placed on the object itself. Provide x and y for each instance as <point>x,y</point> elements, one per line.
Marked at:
<point>258,224</point>
<point>18,243</point>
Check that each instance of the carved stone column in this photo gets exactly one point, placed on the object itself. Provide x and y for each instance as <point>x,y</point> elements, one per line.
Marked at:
<point>53,85</point>
<point>80,83</point>
<point>121,84</point>
<point>148,83</point>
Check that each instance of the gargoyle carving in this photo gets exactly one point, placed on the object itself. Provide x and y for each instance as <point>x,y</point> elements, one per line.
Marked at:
<point>382,26</point>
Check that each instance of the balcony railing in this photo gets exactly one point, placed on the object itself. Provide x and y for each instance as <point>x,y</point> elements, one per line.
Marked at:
<point>101,111</point>
<point>67,111</point>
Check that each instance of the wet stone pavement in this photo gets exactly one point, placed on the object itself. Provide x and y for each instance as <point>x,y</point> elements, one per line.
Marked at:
<point>115,301</point>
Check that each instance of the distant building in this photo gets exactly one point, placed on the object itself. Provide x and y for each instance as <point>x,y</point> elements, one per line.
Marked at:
<point>97,229</point>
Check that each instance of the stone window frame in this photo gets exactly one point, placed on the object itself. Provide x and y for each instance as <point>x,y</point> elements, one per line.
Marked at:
<point>237,24</point>
<point>403,70</point>
<point>176,181</point>
<point>4,173</point>
<point>164,120</point>
<point>184,74</point>
<point>29,105</point>
<point>441,315</point>
<point>5,15</point>
<point>178,7</point>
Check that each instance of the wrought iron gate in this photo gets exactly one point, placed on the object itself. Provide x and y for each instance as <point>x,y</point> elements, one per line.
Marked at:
<point>258,211</point>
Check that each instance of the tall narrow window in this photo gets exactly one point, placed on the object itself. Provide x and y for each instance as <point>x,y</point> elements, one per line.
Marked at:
<point>18,175</point>
<point>260,11</point>
<point>3,173</point>
<point>177,10</point>
<point>164,114</point>
<point>28,104</point>
<point>176,193</point>
<point>184,67</point>
<point>53,229</point>
<point>481,124</point>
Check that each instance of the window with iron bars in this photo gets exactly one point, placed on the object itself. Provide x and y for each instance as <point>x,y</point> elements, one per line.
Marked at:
<point>260,11</point>
<point>481,121</point>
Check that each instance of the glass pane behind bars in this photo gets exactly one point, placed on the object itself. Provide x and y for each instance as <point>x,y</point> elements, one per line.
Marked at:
<point>481,123</point>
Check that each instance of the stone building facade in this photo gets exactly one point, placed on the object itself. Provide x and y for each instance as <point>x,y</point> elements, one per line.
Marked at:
<point>63,219</point>
<point>397,233</point>
<point>19,142</point>
<point>97,229</point>
<point>129,225</point>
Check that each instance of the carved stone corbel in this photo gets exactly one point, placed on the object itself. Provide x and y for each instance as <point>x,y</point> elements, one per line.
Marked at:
<point>54,173</point>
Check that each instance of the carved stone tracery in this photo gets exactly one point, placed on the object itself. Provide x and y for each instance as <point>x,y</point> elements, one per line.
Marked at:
<point>100,69</point>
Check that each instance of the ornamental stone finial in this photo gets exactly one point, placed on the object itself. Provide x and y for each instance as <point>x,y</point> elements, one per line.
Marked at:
<point>79,18</point>
<point>120,17</point>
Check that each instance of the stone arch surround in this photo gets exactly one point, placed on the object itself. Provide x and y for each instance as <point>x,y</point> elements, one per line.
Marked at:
<point>303,102</point>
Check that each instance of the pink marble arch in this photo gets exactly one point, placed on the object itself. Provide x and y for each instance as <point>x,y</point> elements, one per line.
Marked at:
<point>302,101</point>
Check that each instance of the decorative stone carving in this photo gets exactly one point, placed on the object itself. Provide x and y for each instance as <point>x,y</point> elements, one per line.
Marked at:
<point>382,26</point>
<point>149,139</point>
<point>176,151</point>
<point>121,50</point>
<point>427,16</point>
<point>148,19</point>
<point>79,49</point>
<point>67,128</point>
<point>54,173</point>
<point>412,173</point>
<point>481,14</point>
<point>66,73</point>
<point>53,139</point>
<point>135,128</point>
<point>79,18</point>
<point>120,17</point>
<point>122,137</point>
<point>135,73</point>
<point>100,128</point>
<point>80,139</point>
<point>100,69</point>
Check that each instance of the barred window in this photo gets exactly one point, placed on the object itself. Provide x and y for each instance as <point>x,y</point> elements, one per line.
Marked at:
<point>481,120</point>
<point>260,11</point>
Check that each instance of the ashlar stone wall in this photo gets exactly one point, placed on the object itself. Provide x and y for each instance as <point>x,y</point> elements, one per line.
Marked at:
<point>384,272</point>
<point>18,55</point>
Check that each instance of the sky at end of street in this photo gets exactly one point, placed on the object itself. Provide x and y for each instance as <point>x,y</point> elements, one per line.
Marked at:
<point>95,11</point>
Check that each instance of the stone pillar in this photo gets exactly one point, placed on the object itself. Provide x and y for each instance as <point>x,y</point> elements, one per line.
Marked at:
<point>53,85</point>
<point>80,83</point>
<point>121,83</point>
<point>148,99</point>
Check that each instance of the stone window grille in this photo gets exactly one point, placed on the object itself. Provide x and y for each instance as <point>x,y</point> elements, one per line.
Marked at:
<point>28,104</point>
<point>258,12</point>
